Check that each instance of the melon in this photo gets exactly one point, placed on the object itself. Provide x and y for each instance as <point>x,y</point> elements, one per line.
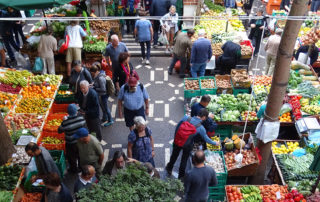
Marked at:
<point>234,137</point>
<point>239,143</point>
<point>229,146</point>
<point>227,140</point>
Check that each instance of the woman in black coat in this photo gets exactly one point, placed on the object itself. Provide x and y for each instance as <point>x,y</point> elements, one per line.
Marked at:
<point>256,32</point>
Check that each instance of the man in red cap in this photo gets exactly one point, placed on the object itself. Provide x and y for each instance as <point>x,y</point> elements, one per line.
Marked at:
<point>135,100</point>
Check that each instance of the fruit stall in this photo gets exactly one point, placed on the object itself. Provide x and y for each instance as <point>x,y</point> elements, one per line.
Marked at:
<point>30,114</point>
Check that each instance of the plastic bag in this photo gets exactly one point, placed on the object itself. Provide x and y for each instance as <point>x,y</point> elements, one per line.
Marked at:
<point>163,38</point>
<point>65,45</point>
<point>21,60</point>
<point>31,167</point>
<point>33,40</point>
<point>285,108</point>
<point>299,152</point>
<point>38,65</point>
<point>267,131</point>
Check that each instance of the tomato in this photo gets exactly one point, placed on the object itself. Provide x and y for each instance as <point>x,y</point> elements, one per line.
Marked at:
<point>234,189</point>
<point>231,198</point>
<point>297,199</point>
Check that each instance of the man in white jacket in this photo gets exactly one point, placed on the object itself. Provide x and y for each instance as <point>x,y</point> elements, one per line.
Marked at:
<point>75,33</point>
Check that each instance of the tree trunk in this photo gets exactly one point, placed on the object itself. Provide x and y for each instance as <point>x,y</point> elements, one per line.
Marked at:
<point>7,148</point>
<point>280,80</point>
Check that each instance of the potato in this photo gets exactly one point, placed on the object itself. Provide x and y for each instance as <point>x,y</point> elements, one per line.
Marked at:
<point>192,85</point>
<point>207,83</point>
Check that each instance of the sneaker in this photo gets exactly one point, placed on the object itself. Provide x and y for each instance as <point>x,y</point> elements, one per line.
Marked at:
<point>167,51</point>
<point>143,61</point>
<point>155,46</point>
<point>170,72</point>
<point>147,62</point>
<point>104,122</point>
<point>108,123</point>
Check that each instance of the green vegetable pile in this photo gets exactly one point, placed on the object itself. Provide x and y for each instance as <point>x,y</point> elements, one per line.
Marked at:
<point>92,45</point>
<point>214,7</point>
<point>131,184</point>
<point>9,176</point>
<point>306,89</point>
<point>251,193</point>
<point>243,101</point>
<point>261,97</point>
<point>58,28</point>
<point>303,186</point>
<point>6,196</point>
<point>294,79</point>
<point>231,115</point>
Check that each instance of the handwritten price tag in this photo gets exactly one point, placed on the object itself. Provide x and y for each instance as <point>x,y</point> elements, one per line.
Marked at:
<point>278,195</point>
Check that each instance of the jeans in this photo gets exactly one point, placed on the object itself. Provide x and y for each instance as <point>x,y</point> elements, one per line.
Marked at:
<point>72,155</point>
<point>94,126</point>
<point>315,6</point>
<point>256,44</point>
<point>8,40</point>
<point>143,50</point>
<point>175,154</point>
<point>183,64</point>
<point>152,162</point>
<point>106,115</point>
<point>230,3</point>
<point>156,28</point>
<point>17,29</point>
<point>198,68</point>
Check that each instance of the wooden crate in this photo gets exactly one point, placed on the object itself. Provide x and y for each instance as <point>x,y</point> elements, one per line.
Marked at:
<point>223,90</point>
<point>240,84</point>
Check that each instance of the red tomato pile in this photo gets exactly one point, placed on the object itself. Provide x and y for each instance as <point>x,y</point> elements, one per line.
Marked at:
<point>233,194</point>
<point>294,196</point>
<point>295,103</point>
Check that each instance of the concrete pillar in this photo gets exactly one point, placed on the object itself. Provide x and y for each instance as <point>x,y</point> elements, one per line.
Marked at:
<point>99,7</point>
<point>189,10</point>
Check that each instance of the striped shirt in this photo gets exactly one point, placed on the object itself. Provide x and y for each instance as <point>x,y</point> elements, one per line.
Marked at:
<point>70,126</point>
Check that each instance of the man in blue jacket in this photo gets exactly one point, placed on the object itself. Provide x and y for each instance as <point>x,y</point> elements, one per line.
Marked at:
<point>158,8</point>
<point>187,146</point>
<point>201,53</point>
<point>89,107</point>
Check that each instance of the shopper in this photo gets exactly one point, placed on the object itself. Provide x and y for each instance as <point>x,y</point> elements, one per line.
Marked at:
<point>89,107</point>
<point>201,53</point>
<point>285,5</point>
<point>169,23</point>
<point>130,10</point>
<point>55,189</point>
<point>69,126</point>
<point>158,8</point>
<point>90,150</point>
<point>187,129</point>
<point>100,86</point>
<point>113,50</point>
<point>46,48</point>
<point>86,179</point>
<point>140,142</point>
<point>123,71</point>
<point>75,33</point>
<point>118,162</point>
<point>44,162</point>
<point>315,5</point>
<point>198,180</point>
<point>6,31</point>
<point>181,49</point>
<point>143,30</point>
<point>2,54</point>
<point>257,26</point>
<point>79,74</point>
<point>153,172</point>
<point>230,57</point>
<point>312,58</point>
<point>135,100</point>
<point>17,27</point>
<point>230,3</point>
<point>271,49</point>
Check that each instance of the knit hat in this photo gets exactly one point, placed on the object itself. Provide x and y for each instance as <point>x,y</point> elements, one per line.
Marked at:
<point>82,132</point>
<point>72,109</point>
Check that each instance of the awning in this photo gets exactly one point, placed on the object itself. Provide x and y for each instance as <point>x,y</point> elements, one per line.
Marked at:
<point>32,4</point>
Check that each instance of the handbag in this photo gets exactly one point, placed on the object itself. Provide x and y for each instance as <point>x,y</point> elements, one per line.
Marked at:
<point>163,38</point>
<point>267,31</point>
<point>65,45</point>
<point>38,65</point>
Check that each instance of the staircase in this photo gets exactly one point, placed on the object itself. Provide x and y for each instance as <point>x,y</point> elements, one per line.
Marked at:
<point>135,50</point>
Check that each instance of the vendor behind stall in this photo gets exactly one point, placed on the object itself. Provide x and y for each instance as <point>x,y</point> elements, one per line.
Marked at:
<point>230,57</point>
<point>303,51</point>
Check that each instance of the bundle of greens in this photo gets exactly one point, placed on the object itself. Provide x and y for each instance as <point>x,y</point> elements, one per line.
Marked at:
<point>294,79</point>
<point>306,89</point>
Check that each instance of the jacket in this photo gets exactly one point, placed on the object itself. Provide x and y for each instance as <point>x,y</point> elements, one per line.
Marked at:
<point>99,84</point>
<point>119,74</point>
<point>70,127</point>
<point>159,7</point>
<point>256,32</point>
<point>45,164</point>
<point>231,52</point>
<point>92,105</point>
<point>201,51</point>
<point>77,77</point>
<point>182,45</point>
<point>174,20</point>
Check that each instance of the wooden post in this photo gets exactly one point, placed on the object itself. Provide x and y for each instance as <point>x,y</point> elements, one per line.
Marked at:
<point>7,148</point>
<point>280,80</point>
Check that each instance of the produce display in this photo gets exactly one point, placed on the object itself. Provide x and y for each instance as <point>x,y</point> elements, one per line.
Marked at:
<point>23,121</point>
<point>33,105</point>
<point>314,197</point>
<point>216,48</point>
<point>230,115</point>
<point>191,84</point>
<point>294,101</point>
<point>259,89</point>
<point>214,147</point>
<point>9,89</point>
<point>240,76</point>
<point>15,78</point>
<point>215,161</point>
<point>94,46</point>
<point>262,80</point>
<point>46,79</point>
<point>7,101</point>
<point>32,197</point>
<point>311,37</point>
<point>15,136</point>
<point>52,140</point>
<point>248,158</point>
<point>269,192</point>
<point>6,196</point>
<point>223,83</point>
<point>252,116</point>
<point>288,147</point>
<point>20,156</point>
<point>41,92</point>
<point>233,193</point>
<point>9,176</point>
<point>207,83</point>
<point>251,193</point>
<point>286,117</point>
<point>246,50</point>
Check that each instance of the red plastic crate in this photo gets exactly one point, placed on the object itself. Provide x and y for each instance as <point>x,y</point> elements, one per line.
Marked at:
<point>51,117</point>
<point>59,108</point>
<point>52,146</point>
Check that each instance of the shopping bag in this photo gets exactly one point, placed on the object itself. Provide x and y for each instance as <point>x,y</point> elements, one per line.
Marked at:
<point>65,45</point>
<point>38,65</point>
<point>163,38</point>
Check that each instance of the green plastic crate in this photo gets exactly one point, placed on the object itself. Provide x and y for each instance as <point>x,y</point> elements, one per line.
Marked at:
<point>64,99</point>
<point>64,86</point>
<point>191,93</point>
<point>217,193</point>
<point>208,91</point>
<point>224,131</point>
<point>236,91</point>
<point>28,185</point>
<point>58,157</point>
<point>222,177</point>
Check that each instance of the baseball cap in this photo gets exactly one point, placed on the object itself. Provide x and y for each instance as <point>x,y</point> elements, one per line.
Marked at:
<point>72,109</point>
<point>132,81</point>
<point>82,132</point>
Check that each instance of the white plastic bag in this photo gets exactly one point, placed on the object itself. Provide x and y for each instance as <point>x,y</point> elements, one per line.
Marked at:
<point>163,38</point>
<point>302,58</point>
<point>31,167</point>
<point>21,60</point>
<point>33,39</point>
<point>267,131</point>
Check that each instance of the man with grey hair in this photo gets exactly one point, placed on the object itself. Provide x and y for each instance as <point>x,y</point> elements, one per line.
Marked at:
<point>140,142</point>
<point>272,49</point>
<point>47,47</point>
<point>201,53</point>
<point>89,107</point>
<point>113,50</point>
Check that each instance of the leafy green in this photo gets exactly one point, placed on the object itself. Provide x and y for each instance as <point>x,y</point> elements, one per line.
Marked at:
<point>5,196</point>
<point>131,184</point>
<point>214,7</point>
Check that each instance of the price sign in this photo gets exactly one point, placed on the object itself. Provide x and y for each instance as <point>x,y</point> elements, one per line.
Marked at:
<point>278,195</point>
<point>24,131</point>
<point>49,87</point>
<point>40,117</point>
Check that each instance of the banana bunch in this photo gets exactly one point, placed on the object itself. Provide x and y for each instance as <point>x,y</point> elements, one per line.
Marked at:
<point>251,193</point>
<point>52,140</point>
<point>311,109</point>
<point>249,189</point>
<point>214,147</point>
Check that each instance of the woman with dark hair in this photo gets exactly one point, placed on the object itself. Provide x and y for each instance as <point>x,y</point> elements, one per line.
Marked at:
<point>100,86</point>
<point>123,71</point>
<point>55,189</point>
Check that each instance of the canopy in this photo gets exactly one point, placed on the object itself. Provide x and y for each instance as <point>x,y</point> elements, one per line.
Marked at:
<point>31,4</point>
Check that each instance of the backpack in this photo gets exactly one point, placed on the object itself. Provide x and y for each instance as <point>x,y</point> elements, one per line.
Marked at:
<point>185,130</point>
<point>137,136</point>
<point>110,86</point>
<point>130,7</point>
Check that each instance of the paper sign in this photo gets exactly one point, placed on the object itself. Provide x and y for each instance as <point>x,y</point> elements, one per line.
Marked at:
<point>39,117</point>
<point>49,87</point>
<point>278,195</point>
<point>47,79</point>
<point>24,131</point>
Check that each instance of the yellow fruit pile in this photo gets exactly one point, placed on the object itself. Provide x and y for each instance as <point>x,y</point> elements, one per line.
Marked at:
<point>214,147</point>
<point>33,105</point>
<point>292,146</point>
<point>286,117</point>
<point>52,140</point>
<point>55,122</point>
